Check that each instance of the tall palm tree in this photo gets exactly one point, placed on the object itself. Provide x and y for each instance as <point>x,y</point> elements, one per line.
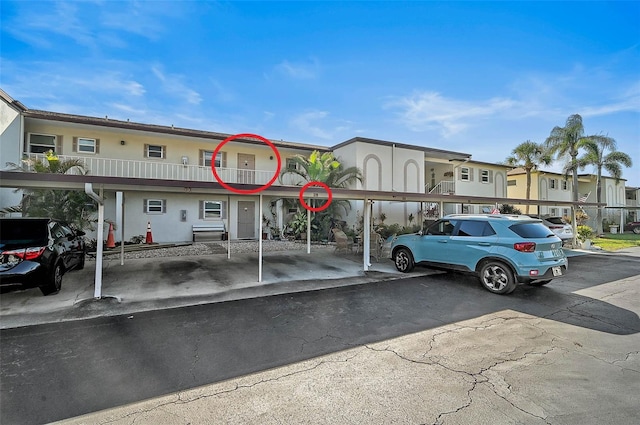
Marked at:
<point>565,143</point>
<point>529,156</point>
<point>327,169</point>
<point>601,152</point>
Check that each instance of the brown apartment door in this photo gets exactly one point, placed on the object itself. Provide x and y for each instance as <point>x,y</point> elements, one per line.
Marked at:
<point>246,220</point>
<point>246,168</point>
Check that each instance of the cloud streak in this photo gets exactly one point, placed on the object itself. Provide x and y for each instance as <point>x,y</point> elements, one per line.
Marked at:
<point>432,111</point>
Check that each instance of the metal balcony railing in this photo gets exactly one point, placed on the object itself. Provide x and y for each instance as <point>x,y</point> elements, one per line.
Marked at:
<point>128,168</point>
<point>444,187</point>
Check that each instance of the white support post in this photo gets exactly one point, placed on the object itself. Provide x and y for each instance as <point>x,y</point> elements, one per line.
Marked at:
<point>366,235</point>
<point>228,227</point>
<point>120,222</point>
<point>88,189</point>
<point>260,239</point>
<point>308,232</point>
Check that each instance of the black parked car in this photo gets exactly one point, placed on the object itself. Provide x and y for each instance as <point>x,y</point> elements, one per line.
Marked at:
<point>38,251</point>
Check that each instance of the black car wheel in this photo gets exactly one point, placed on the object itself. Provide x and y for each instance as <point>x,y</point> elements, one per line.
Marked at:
<point>636,230</point>
<point>497,277</point>
<point>403,260</point>
<point>55,281</point>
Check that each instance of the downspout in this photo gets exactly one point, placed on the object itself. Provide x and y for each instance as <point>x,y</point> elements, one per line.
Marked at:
<point>88,189</point>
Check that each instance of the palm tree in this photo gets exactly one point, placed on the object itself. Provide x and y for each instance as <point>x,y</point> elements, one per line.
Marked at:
<point>327,169</point>
<point>565,142</point>
<point>596,154</point>
<point>529,156</point>
<point>67,205</point>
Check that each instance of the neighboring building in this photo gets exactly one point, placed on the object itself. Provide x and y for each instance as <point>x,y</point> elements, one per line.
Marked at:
<point>549,186</point>
<point>632,201</point>
<point>181,160</point>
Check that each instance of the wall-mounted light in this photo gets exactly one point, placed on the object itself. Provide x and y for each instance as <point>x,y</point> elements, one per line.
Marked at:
<point>122,142</point>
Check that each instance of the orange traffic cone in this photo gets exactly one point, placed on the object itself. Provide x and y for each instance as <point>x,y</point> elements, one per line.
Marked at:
<point>111,241</point>
<point>149,236</point>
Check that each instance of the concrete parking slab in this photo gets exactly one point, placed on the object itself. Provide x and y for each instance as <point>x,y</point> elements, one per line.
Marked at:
<point>503,367</point>
<point>166,282</point>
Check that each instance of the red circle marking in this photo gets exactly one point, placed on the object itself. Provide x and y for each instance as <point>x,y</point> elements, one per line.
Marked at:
<point>245,191</point>
<point>323,206</point>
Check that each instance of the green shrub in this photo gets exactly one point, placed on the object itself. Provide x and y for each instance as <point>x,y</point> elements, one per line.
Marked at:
<point>585,232</point>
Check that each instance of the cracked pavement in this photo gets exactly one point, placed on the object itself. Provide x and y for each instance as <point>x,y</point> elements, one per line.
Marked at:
<point>503,367</point>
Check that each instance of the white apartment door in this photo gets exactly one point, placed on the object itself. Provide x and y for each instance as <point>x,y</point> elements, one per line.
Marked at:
<point>246,168</point>
<point>246,220</point>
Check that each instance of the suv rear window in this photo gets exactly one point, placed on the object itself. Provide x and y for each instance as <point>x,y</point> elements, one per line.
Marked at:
<point>555,220</point>
<point>531,230</point>
<point>19,232</point>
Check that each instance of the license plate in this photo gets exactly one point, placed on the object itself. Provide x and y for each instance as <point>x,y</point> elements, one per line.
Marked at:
<point>557,271</point>
<point>557,252</point>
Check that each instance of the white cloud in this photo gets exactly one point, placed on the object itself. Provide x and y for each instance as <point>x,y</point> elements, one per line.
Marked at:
<point>307,122</point>
<point>431,111</point>
<point>299,71</point>
<point>173,84</point>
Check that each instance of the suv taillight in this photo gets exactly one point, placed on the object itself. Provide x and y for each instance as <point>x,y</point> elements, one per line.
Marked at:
<point>26,254</point>
<point>525,246</point>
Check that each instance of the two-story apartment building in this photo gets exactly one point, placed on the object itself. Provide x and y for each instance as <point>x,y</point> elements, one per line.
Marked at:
<point>550,186</point>
<point>398,167</point>
<point>168,182</point>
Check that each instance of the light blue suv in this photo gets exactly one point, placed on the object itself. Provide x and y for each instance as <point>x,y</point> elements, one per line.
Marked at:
<point>501,250</point>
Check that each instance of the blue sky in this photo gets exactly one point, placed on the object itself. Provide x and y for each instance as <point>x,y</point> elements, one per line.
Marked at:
<point>473,77</point>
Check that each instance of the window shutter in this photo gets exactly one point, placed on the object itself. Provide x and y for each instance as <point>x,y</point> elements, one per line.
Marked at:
<point>74,147</point>
<point>490,176</point>
<point>145,154</point>
<point>470,174</point>
<point>164,206</point>
<point>144,206</point>
<point>223,159</point>
<point>201,210</point>
<point>164,152</point>
<point>26,142</point>
<point>223,212</point>
<point>97,146</point>
<point>460,173</point>
<point>58,145</point>
<point>201,158</point>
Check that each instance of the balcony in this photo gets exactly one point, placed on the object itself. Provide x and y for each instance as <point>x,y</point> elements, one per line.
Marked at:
<point>160,170</point>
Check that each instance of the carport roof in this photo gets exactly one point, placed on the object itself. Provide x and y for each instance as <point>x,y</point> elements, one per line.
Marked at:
<point>11,179</point>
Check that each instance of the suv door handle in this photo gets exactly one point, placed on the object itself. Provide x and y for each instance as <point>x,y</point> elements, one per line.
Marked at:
<point>484,244</point>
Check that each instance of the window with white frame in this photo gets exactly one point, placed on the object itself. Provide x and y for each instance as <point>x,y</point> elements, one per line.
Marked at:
<point>553,212</point>
<point>211,209</point>
<point>486,176</point>
<point>465,173</point>
<point>564,184</point>
<point>41,143</point>
<point>553,183</point>
<point>566,212</point>
<point>155,206</point>
<point>85,145</point>
<point>221,159</point>
<point>155,151</point>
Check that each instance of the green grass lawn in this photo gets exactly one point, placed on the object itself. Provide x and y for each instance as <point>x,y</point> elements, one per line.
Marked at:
<point>618,241</point>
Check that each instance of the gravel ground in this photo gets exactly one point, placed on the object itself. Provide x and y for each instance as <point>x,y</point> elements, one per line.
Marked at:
<point>237,247</point>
